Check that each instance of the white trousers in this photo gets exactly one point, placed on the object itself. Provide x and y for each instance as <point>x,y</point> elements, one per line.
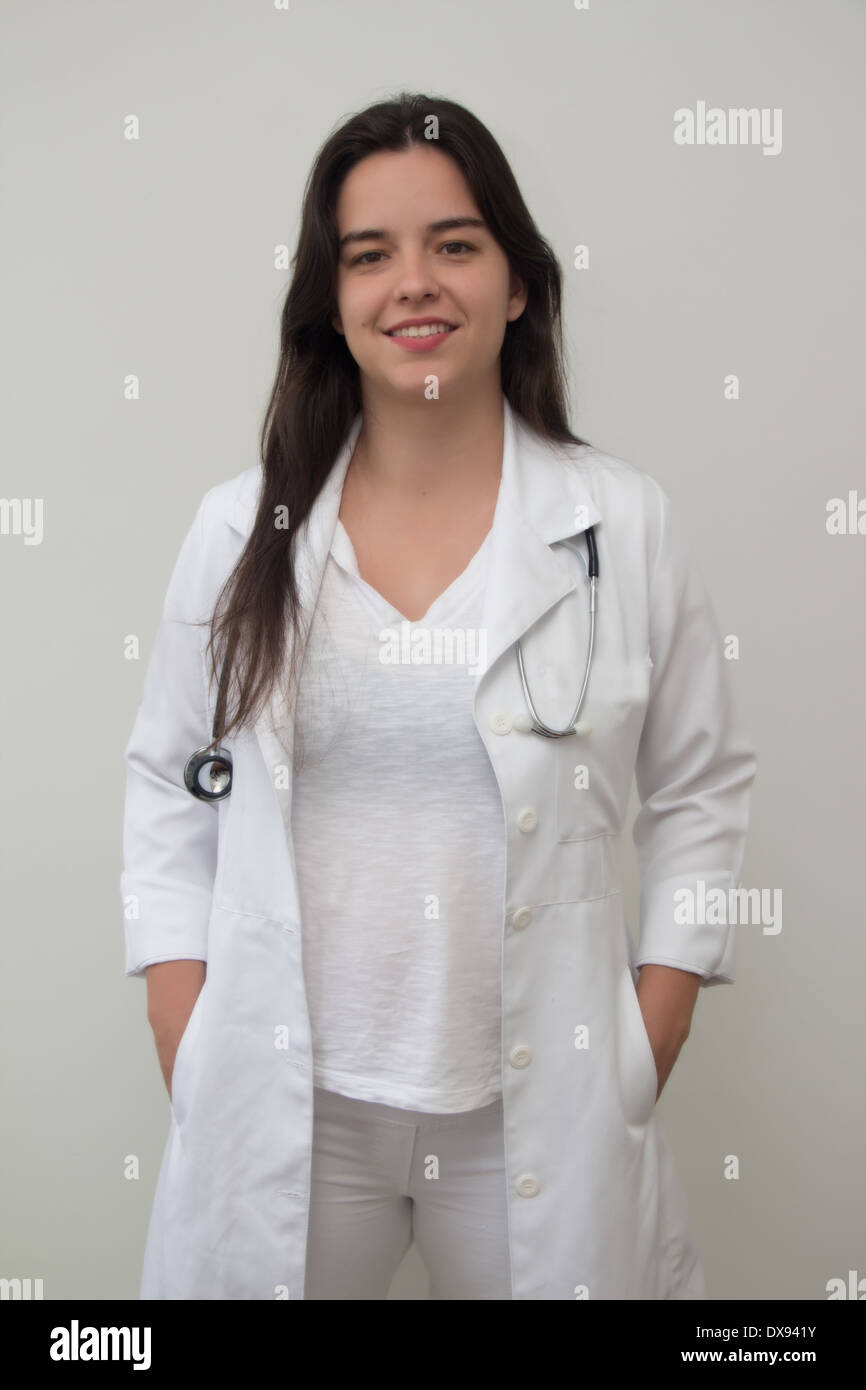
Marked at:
<point>382,1176</point>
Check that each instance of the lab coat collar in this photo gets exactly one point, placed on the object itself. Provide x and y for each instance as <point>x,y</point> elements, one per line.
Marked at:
<point>546,493</point>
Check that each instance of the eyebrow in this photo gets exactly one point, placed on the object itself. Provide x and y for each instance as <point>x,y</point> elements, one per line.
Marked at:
<point>447,224</point>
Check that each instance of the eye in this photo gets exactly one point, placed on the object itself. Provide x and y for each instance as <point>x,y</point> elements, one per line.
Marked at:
<point>362,259</point>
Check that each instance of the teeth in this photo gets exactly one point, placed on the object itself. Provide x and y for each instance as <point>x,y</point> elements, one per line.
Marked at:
<point>425,331</point>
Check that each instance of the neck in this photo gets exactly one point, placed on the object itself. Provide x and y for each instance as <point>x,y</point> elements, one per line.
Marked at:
<point>430,449</point>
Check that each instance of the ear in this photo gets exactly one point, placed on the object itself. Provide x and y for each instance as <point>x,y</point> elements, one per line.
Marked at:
<point>337,323</point>
<point>518,296</point>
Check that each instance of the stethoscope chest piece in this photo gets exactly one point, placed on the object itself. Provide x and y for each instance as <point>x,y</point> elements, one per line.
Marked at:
<point>219,762</point>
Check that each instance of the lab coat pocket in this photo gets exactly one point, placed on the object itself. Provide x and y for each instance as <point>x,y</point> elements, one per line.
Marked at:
<point>182,1059</point>
<point>594,769</point>
<point>637,1069</point>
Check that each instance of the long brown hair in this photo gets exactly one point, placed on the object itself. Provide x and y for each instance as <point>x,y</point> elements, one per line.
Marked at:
<point>317,393</point>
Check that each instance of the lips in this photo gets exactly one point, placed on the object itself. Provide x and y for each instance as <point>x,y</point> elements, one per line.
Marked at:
<point>416,341</point>
<point>442,324</point>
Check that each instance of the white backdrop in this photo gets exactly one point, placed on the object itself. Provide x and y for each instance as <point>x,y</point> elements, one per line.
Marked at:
<point>716,340</point>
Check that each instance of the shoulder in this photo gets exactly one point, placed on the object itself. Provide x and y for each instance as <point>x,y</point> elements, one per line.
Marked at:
<point>623,492</point>
<point>215,537</point>
<point>231,503</point>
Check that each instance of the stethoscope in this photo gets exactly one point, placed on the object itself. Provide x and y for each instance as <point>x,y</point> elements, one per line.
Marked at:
<point>538,726</point>
<point>218,760</point>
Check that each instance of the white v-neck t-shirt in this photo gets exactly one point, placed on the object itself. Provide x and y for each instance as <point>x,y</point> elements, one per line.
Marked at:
<point>399,840</point>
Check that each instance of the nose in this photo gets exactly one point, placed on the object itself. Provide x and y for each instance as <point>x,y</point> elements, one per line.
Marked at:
<point>415,278</point>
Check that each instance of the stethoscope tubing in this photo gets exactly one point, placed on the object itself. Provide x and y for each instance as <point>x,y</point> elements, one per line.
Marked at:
<point>538,725</point>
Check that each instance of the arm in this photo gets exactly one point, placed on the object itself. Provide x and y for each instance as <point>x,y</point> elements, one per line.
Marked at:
<point>172,989</point>
<point>169,836</point>
<point>695,766</point>
<point>667,998</point>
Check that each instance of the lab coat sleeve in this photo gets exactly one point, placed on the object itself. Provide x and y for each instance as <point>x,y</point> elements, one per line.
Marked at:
<point>694,770</point>
<point>170,836</point>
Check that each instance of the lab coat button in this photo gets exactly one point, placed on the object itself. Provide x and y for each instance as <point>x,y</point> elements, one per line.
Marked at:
<point>521,918</point>
<point>523,723</point>
<point>528,1185</point>
<point>500,723</point>
<point>527,820</point>
<point>520,1056</point>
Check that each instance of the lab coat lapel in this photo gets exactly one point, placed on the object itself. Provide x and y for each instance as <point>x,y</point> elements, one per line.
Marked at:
<point>541,500</point>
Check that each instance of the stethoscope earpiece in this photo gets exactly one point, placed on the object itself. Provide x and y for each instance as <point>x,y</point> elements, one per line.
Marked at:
<point>219,760</point>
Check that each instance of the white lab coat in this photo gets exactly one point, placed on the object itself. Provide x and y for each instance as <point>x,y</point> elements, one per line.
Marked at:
<point>595,1205</point>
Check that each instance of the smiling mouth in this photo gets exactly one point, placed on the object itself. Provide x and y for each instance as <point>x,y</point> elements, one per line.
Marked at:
<point>426,330</point>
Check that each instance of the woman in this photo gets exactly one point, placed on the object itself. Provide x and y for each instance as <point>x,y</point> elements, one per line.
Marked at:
<point>460,1053</point>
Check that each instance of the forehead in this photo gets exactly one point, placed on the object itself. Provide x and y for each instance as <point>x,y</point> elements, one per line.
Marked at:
<point>402,187</point>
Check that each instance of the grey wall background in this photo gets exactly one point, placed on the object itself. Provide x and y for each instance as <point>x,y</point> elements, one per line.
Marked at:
<point>156,257</point>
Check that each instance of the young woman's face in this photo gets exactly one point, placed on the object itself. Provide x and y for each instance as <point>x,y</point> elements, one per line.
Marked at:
<point>405,268</point>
